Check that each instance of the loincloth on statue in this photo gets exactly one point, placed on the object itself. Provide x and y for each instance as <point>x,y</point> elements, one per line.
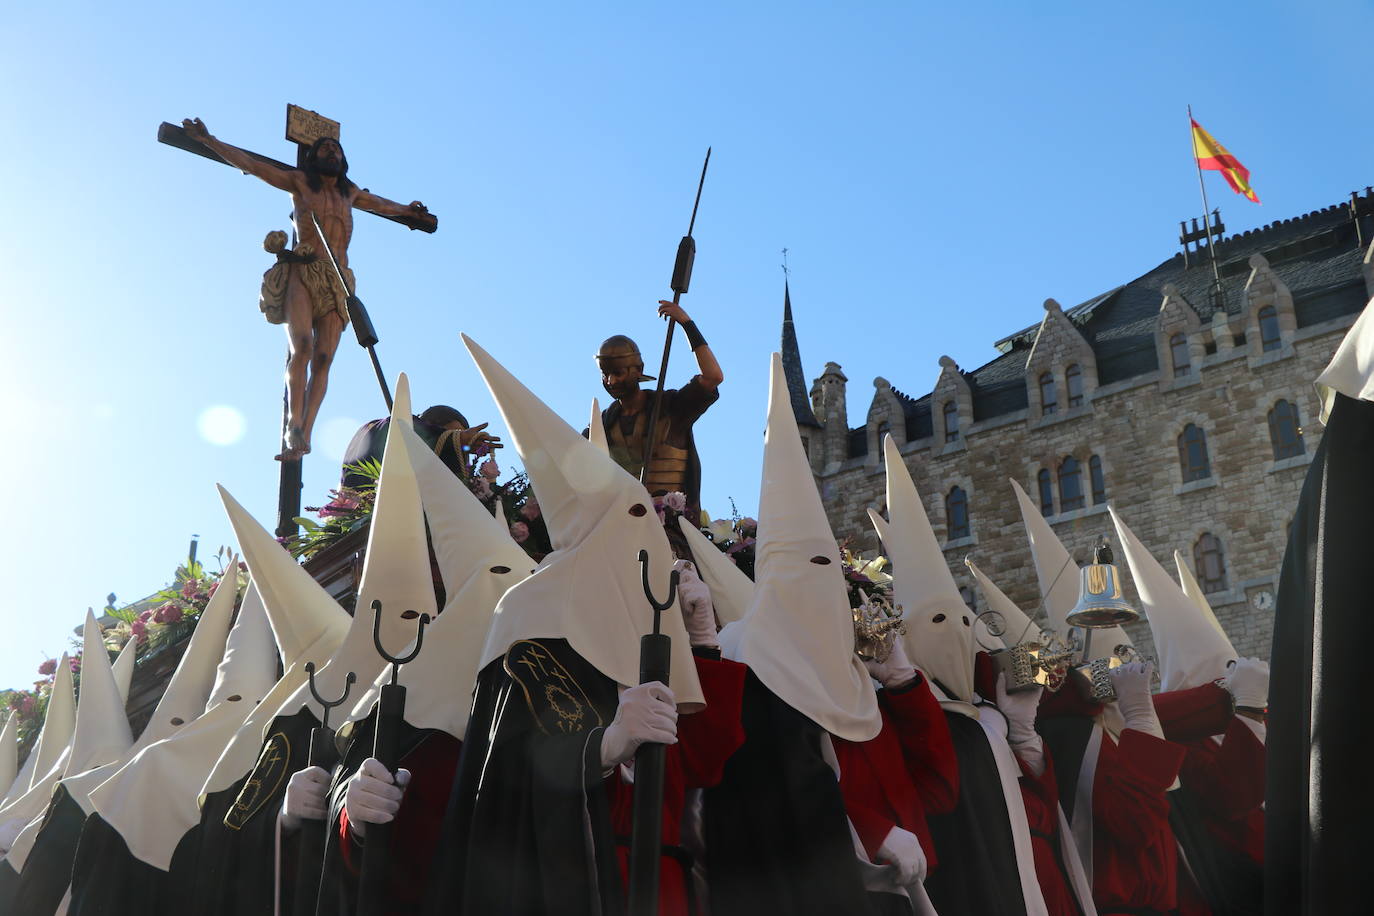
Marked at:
<point>316,275</point>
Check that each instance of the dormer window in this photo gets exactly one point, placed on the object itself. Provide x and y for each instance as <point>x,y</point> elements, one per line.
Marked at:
<point>1049,400</point>
<point>1269,329</point>
<point>951,413</point>
<point>1073,381</point>
<point>1178,349</point>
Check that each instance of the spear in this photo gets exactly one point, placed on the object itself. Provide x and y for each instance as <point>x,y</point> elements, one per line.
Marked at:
<point>682,278</point>
<point>357,313</point>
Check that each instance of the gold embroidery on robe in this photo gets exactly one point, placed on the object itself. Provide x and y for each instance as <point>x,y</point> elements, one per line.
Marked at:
<point>267,777</point>
<point>557,702</point>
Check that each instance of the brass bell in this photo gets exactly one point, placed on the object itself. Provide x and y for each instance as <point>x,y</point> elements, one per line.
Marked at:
<point>1100,603</point>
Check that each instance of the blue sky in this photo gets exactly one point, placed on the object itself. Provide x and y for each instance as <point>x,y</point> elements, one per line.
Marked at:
<point>936,173</point>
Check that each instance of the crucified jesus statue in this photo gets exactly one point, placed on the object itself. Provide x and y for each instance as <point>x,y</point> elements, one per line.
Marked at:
<point>316,306</point>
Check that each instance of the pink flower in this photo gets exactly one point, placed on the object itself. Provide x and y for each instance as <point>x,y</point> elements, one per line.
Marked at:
<point>481,488</point>
<point>168,613</point>
<point>210,593</point>
<point>188,590</point>
<point>27,705</point>
<point>140,630</point>
<point>530,509</point>
<point>145,616</point>
<point>675,500</point>
<point>48,667</point>
<point>520,532</point>
<point>75,664</point>
<point>489,469</point>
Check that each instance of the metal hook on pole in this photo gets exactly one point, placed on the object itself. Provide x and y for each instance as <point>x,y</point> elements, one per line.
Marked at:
<point>394,661</point>
<point>328,704</point>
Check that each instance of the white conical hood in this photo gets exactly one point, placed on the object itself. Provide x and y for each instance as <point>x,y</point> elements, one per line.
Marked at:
<point>588,589</point>
<point>1017,627</point>
<point>1059,580</point>
<point>939,626</point>
<point>307,623</point>
<point>9,754</point>
<point>20,784</point>
<point>1351,370</point>
<point>478,562</point>
<point>731,590</point>
<point>596,430</point>
<point>58,724</point>
<point>152,800</point>
<point>395,572</point>
<point>102,727</point>
<point>798,632</point>
<point>1193,590</point>
<point>1191,652</point>
<point>186,692</point>
<point>123,669</point>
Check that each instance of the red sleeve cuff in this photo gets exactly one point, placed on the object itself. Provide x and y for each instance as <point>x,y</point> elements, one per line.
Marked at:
<point>1191,715</point>
<point>1151,761</point>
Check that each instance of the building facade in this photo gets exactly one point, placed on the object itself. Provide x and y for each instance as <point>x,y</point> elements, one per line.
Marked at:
<point>1184,399</point>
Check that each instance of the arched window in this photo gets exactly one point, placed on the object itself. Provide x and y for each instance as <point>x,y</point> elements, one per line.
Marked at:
<point>1049,401</point>
<point>1070,485</point>
<point>1209,563</point>
<point>956,514</point>
<point>1073,381</point>
<point>1269,328</point>
<point>1284,432</point>
<point>1099,483</point>
<point>1046,493</point>
<point>1192,454</point>
<point>967,594</point>
<point>951,421</point>
<point>1178,349</point>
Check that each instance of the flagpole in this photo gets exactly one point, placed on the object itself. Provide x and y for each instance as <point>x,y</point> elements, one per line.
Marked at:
<point>1206,208</point>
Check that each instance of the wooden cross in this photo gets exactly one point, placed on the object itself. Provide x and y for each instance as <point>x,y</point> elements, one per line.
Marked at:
<point>303,127</point>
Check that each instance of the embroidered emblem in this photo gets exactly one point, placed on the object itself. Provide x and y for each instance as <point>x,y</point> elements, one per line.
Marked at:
<point>557,701</point>
<point>267,777</point>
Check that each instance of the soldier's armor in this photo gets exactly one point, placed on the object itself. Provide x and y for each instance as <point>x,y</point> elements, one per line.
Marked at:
<point>667,464</point>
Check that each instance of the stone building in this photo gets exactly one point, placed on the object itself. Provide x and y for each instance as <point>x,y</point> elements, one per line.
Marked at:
<point>1186,401</point>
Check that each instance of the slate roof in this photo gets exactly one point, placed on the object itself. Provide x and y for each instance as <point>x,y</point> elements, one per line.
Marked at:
<point>792,365</point>
<point>1317,255</point>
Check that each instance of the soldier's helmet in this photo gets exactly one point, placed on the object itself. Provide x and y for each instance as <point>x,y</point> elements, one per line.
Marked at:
<point>618,351</point>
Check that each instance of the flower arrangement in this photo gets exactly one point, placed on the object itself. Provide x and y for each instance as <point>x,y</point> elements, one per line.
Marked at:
<point>867,580</point>
<point>734,536</point>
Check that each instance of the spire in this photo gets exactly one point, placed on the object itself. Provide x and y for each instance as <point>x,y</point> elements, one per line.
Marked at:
<point>792,364</point>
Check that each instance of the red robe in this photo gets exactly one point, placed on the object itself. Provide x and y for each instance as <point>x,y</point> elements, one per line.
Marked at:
<point>1041,796</point>
<point>705,741</point>
<point>908,771</point>
<point>419,821</point>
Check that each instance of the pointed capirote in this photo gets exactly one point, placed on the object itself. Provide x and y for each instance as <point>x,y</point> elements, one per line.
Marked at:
<point>1193,590</point>
<point>308,626</point>
<point>1351,370</point>
<point>939,626</point>
<point>798,632</point>
<point>596,430</point>
<point>731,589</point>
<point>588,589</point>
<point>1059,580</point>
<point>1191,652</point>
<point>396,572</point>
<point>58,723</point>
<point>102,727</point>
<point>153,799</point>
<point>9,754</point>
<point>478,562</point>
<point>123,668</point>
<point>1016,627</point>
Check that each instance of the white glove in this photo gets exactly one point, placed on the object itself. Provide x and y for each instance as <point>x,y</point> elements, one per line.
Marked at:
<point>9,831</point>
<point>902,849</point>
<point>698,614</point>
<point>1248,682</point>
<point>1020,708</point>
<point>647,713</point>
<point>372,796</point>
<point>897,671</point>
<point>305,797</point>
<point>1133,700</point>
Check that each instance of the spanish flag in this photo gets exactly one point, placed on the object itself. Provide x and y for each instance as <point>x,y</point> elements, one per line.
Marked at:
<point>1212,155</point>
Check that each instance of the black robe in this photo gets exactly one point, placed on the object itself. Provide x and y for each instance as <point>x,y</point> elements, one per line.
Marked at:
<point>1318,808</point>
<point>978,871</point>
<point>527,831</point>
<point>232,862</point>
<point>777,837</point>
<point>108,880</point>
<point>48,869</point>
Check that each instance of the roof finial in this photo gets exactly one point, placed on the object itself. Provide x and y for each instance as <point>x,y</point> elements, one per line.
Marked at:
<point>785,270</point>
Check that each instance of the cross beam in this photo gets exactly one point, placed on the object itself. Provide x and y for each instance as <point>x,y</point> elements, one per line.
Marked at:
<point>173,135</point>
